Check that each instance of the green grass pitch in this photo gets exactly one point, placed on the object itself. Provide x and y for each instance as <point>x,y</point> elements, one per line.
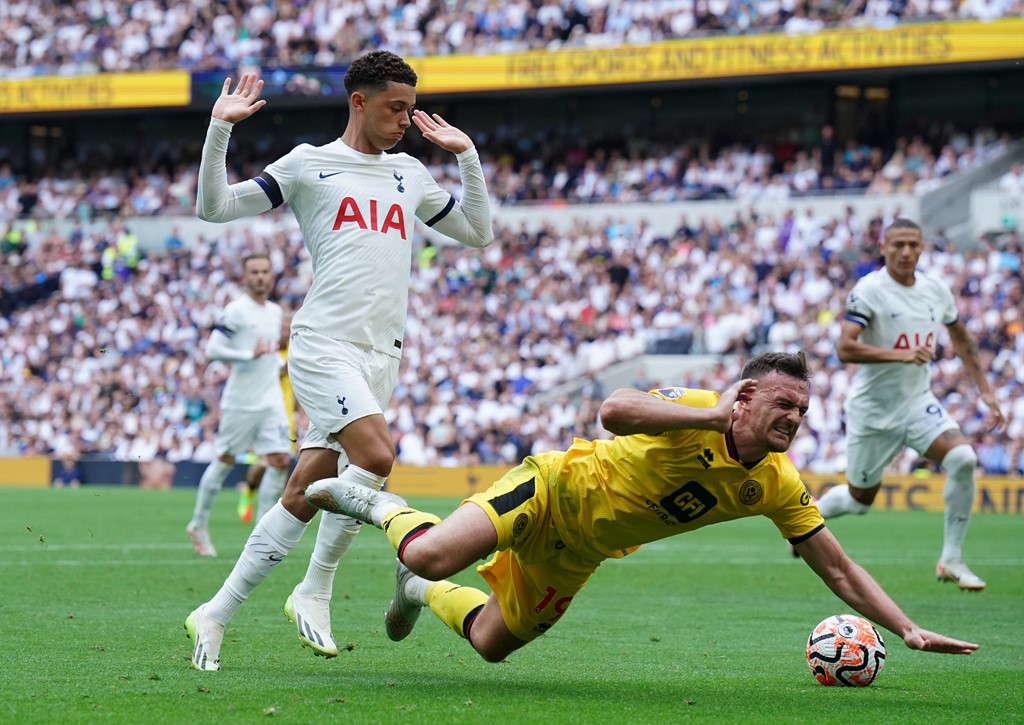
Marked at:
<point>706,627</point>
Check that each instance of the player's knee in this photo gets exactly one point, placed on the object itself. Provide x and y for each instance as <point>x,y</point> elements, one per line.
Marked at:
<point>377,459</point>
<point>425,560</point>
<point>960,459</point>
<point>861,500</point>
<point>491,655</point>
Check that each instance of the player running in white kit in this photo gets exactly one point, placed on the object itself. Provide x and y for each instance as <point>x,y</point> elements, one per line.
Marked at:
<point>357,207</point>
<point>252,409</point>
<point>893,316</point>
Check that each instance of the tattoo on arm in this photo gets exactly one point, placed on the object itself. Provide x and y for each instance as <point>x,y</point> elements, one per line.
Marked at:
<point>967,350</point>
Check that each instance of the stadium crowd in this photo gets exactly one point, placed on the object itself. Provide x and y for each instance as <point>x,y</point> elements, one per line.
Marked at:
<point>89,36</point>
<point>94,182</point>
<point>111,364</point>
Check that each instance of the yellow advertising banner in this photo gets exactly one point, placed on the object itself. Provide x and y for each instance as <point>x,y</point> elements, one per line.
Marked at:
<point>32,471</point>
<point>909,44</point>
<point>997,494</point>
<point>150,89</point>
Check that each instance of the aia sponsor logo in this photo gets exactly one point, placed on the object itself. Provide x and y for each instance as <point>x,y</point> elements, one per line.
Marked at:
<point>371,217</point>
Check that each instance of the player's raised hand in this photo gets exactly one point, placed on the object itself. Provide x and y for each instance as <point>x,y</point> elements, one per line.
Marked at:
<point>436,130</point>
<point>927,641</point>
<point>742,390</point>
<point>242,103</point>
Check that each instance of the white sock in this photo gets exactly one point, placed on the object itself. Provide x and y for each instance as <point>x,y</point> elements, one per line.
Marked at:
<point>958,494</point>
<point>269,543</point>
<point>837,501</point>
<point>335,535</point>
<point>209,486</point>
<point>271,488</point>
<point>416,589</point>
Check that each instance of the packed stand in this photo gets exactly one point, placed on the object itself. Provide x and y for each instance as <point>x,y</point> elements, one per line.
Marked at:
<point>94,184</point>
<point>113,364</point>
<point>90,36</point>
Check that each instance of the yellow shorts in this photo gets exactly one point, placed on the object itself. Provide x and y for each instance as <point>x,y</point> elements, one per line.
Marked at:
<point>533,574</point>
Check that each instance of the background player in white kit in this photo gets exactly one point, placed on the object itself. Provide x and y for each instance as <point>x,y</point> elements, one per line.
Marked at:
<point>893,316</point>
<point>357,207</point>
<point>252,410</point>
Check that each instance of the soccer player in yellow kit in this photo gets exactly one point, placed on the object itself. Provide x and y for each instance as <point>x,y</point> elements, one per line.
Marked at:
<point>682,459</point>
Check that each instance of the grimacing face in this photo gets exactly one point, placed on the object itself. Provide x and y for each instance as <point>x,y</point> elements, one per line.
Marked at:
<point>774,414</point>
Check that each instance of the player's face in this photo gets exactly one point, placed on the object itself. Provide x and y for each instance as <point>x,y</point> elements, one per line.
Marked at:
<point>388,114</point>
<point>901,249</point>
<point>773,415</point>
<point>257,277</point>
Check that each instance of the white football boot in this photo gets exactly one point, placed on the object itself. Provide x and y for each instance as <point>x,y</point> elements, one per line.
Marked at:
<point>207,634</point>
<point>954,570</point>
<point>201,540</point>
<point>403,611</point>
<point>352,499</point>
<point>312,618</point>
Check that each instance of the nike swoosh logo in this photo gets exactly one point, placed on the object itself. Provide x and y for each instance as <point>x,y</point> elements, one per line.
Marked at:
<point>327,176</point>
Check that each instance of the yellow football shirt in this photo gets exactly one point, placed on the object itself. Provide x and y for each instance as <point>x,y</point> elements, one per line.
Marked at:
<point>608,497</point>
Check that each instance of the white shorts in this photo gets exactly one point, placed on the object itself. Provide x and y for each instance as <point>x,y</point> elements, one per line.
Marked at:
<point>868,454</point>
<point>336,383</point>
<point>261,431</point>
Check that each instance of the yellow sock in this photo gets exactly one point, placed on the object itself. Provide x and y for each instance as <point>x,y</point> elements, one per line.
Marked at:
<point>453,604</point>
<point>401,523</point>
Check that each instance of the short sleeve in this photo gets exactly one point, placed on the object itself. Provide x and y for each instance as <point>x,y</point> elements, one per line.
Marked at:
<point>858,307</point>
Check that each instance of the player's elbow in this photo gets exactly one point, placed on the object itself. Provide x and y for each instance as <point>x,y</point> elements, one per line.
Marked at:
<point>479,241</point>
<point>616,416</point>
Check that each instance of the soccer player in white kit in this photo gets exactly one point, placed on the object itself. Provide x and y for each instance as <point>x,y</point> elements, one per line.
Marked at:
<point>893,316</point>
<point>357,207</point>
<point>252,410</point>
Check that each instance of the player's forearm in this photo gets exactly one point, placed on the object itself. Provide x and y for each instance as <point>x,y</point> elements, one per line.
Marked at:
<point>630,412</point>
<point>857,588</point>
<point>967,351</point>
<point>216,200</point>
<point>219,350</point>
<point>475,204</point>
<point>851,351</point>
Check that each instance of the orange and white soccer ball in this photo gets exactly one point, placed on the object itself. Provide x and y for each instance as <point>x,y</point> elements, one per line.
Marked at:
<point>845,650</point>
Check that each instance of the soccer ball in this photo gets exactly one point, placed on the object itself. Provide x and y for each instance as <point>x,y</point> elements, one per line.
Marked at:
<point>845,650</point>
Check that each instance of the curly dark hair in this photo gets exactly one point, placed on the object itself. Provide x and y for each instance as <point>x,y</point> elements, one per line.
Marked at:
<point>793,364</point>
<point>373,71</point>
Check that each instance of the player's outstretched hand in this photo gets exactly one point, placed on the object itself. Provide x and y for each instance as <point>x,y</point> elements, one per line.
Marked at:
<point>245,101</point>
<point>927,641</point>
<point>436,130</point>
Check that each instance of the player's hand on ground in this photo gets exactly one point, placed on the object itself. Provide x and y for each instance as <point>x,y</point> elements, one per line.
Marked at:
<point>927,641</point>
<point>243,102</point>
<point>436,130</point>
<point>921,355</point>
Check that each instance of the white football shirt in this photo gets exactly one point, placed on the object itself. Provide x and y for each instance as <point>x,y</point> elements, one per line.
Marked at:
<point>254,383</point>
<point>357,213</point>
<point>897,317</point>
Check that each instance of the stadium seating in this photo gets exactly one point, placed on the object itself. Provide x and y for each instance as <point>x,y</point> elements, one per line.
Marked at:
<point>112,364</point>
